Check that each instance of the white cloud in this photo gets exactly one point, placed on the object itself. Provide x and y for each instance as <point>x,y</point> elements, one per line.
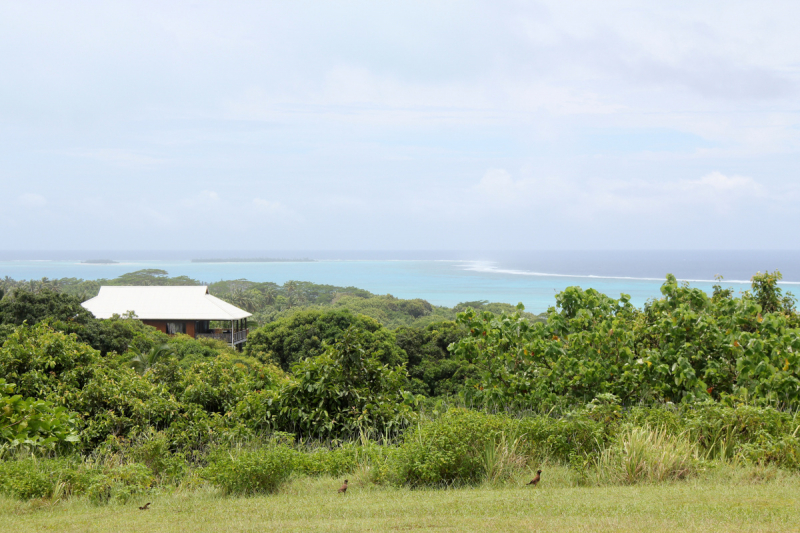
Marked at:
<point>716,183</point>
<point>263,113</point>
<point>713,194</point>
<point>203,199</point>
<point>119,157</point>
<point>271,207</point>
<point>32,200</point>
<point>498,185</point>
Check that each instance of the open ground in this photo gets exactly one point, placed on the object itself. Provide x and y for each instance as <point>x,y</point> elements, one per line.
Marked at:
<point>729,500</point>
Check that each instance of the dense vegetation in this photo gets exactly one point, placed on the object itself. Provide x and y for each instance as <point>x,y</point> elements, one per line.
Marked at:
<point>270,301</point>
<point>111,408</point>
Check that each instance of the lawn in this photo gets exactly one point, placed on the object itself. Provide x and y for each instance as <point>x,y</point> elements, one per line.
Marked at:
<point>742,500</point>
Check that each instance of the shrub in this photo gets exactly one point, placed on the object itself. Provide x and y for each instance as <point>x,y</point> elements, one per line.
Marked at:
<point>447,450</point>
<point>304,334</point>
<point>153,449</point>
<point>559,439</point>
<point>215,386</point>
<point>345,391</point>
<point>258,411</point>
<point>341,460</point>
<point>432,368</point>
<point>117,483</point>
<point>28,478</point>
<point>245,472</point>
<point>25,479</point>
<point>41,361</point>
<point>683,348</point>
<point>34,306</point>
<point>32,423</point>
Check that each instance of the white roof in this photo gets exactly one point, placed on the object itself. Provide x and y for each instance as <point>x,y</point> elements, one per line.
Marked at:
<point>162,303</point>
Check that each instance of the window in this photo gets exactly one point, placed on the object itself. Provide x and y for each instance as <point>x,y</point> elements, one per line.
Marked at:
<point>176,327</point>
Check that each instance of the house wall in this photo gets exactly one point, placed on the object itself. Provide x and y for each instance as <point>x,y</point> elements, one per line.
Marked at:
<point>161,325</point>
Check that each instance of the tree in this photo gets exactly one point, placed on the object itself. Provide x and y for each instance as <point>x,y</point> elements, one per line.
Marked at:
<point>303,334</point>
<point>143,361</point>
<point>34,306</point>
<point>434,371</point>
<point>768,295</point>
<point>33,423</point>
<point>346,390</point>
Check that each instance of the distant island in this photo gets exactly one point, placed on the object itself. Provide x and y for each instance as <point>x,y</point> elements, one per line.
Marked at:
<point>253,260</point>
<point>100,262</point>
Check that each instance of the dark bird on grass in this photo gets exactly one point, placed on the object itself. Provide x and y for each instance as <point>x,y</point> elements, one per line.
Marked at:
<point>145,507</point>
<point>343,488</point>
<point>535,480</point>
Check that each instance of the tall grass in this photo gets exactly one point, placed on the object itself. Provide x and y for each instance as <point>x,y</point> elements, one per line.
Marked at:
<point>502,458</point>
<point>647,455</point>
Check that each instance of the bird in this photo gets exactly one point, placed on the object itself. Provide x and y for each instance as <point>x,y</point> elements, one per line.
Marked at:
<point>343,488</point>
<point>145,507</point>
<point>535,480</point>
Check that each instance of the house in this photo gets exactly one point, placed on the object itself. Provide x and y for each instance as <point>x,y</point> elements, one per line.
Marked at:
<point>176,309</point>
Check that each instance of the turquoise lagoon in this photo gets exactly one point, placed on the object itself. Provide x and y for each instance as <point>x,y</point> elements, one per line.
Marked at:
<point>441,282</point>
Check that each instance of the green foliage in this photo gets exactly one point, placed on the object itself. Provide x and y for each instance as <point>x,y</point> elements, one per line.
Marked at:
<point>32,307</point>
<point>683,347</point>
<point>642,454</point>
<point>42,362</point>
<point>344,390</point>
<point>32,423</point>
<point>496,308</point>
<point>247,472</point>
<point>339,461</point>
<point>114,335</point>
<point>144,361</point>
<point>448,450</point>
<point>769,296</point>
<point>189,351</point>
<point>153,449</point>
<point>31,477</point>
<point>304,333</point>
<point>150,276</point>
<point>24,479</point>
<point>111,399</point>
<point>216,386</point>
<point>432,368</point>
<point>748,433</point>
<point>715,371</point>
<point>393,312</point>
<point>64,313</point>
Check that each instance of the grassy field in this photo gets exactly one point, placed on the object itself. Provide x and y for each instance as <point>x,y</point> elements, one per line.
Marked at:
<point>740,500</point>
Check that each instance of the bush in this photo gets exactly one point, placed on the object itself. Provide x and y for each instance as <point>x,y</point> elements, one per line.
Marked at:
<point>341,460</point>
<point>117,483</point>
<point>25,479</point>
<point>245,472</point>
<point>434,371</point>
<point>28,478</point>
<point>344,392</point>
<point>304,334</point>
<point>41,361</point>
<point>683,348</point>
<point>559,439</point>
<point>152,449</point>
<point>32,423</point>
<point>447,450</point>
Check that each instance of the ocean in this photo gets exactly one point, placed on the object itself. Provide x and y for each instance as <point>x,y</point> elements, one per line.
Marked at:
<point>446,278</point>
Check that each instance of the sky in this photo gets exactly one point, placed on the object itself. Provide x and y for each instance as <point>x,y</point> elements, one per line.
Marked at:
<point>431,125</point>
